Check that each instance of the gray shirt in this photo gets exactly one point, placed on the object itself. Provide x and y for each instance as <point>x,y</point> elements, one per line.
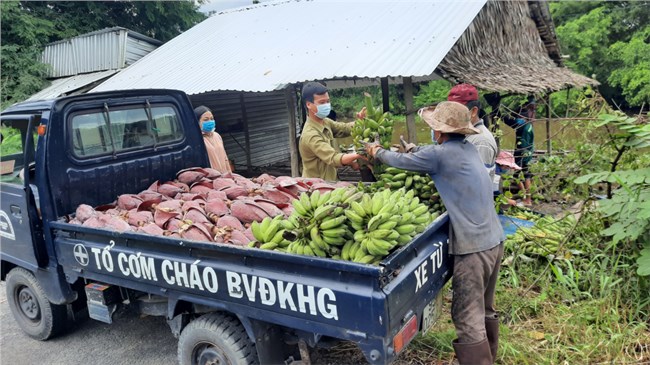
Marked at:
<point>486,146</point>
<point>465,189</point>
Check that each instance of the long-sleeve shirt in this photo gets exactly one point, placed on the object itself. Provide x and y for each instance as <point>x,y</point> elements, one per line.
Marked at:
<point>486,146</point>
<point>216,152</point>
<point>319,158</point>
<point>465,188</point>
<point>525,135</point>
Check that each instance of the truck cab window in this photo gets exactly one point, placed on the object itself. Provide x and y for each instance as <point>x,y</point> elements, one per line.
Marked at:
<point>12,150</point>
<point>125,129</point>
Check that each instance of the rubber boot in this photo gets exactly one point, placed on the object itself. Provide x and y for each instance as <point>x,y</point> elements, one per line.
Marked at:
<point>477,353</point>
<point>492,329</point>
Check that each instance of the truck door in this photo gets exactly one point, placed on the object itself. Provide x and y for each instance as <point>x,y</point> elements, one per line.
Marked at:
<point>20,224</point>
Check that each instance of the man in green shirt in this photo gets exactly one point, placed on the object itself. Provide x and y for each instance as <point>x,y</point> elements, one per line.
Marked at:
<point>319,158</point>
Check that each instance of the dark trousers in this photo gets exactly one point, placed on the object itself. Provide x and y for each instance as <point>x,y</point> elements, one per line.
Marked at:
<point>474,283</point>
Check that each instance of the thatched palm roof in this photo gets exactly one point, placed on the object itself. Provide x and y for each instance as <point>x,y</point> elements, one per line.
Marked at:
<point>508,48</point>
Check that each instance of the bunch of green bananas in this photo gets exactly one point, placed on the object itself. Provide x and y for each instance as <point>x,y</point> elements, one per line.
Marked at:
<point>269,234</point>
<point>543,238</point>
<point>394,178</point>
<point>376,123</point>
<point>382,222</point>
<point>318,222</point>
<point>346,224</point>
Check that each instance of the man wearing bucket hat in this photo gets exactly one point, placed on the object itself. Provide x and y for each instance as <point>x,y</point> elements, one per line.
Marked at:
<point>484,142</point>
<point>476,235</point>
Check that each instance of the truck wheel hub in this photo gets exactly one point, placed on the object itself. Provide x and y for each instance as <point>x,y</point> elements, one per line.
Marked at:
<point>28,303</point>
<point>208,354</point>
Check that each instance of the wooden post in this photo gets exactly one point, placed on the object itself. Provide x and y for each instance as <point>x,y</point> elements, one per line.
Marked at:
<point>411,131</point>
<point>293,148</point>
<point>384,94</point>
<point>548,123</point>
<point>247,139</point>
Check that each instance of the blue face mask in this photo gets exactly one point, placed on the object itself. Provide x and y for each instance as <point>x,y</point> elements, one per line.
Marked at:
<point>323,110</point>
<point>208,126</point>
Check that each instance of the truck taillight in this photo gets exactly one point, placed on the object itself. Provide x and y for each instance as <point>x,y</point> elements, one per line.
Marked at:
<point>41,129</point>
<point>405,334</point>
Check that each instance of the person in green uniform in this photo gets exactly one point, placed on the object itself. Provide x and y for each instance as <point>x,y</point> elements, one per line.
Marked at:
<point>522,123</point>
<point>319,158</point>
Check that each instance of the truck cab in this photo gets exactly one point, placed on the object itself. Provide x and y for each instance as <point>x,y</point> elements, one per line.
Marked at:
<point>83,149</point>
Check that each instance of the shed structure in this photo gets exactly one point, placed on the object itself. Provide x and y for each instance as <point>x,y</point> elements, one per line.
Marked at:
<point>78,64</point>
<point>247,64</point>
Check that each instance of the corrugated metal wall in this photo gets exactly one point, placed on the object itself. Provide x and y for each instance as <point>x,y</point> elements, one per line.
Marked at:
<point>268,123</point>
<point>136,49</point>
<point>90,53</point>
<point>108,49</point>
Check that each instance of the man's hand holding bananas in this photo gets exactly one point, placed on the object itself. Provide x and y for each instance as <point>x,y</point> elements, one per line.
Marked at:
<point>372,148</point>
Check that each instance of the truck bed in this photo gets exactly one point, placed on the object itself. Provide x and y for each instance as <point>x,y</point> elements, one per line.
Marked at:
<point>363,303</point>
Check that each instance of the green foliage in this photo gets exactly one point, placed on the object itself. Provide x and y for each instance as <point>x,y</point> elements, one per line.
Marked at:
<point>162,20</point>
<point>23,35</point>
<point>346,102</point>
<point>431,93</point>
<point>11,141</point>
<point>628,208</point>
<point>644,262</point>
<point>609,40</point>
<point>633,72</point>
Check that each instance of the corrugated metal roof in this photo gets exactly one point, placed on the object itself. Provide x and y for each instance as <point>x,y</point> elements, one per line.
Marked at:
<point>267,46</point>
<point>67,85</point>
<point>106,49</point>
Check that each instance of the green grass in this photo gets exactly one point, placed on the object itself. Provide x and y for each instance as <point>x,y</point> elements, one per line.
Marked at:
<point>597,311</point>
<point>540,328</point>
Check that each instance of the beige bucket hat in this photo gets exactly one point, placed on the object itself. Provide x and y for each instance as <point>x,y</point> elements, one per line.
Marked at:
<point>448,117</point>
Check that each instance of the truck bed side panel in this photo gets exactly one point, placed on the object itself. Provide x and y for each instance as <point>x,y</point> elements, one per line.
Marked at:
<point>299,292</point>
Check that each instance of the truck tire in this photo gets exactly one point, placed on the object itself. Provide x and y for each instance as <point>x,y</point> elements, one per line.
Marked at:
<point>29,305</point>
<point>216,338</point>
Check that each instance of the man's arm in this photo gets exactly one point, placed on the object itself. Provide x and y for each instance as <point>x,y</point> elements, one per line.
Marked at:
<point>341,129</point>
<point>509,120</point>
<point>324,151</point>
<point>422,160</point>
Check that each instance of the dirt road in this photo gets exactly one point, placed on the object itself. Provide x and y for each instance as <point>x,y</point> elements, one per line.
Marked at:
<point>129,340</point>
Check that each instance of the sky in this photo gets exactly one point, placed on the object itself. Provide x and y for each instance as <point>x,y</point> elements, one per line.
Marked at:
<point>219,5</point>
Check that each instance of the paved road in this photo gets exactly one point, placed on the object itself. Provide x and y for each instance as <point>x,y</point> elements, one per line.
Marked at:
<point>129,340</point>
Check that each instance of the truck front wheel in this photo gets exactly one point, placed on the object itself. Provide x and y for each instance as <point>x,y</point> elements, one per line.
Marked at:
<point>216,339</point>
<point>29,305</point>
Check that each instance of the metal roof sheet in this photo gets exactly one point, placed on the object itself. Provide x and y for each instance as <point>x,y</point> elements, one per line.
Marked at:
<point>106,49</point>
<point>264,47</point>
<point>65,86</point>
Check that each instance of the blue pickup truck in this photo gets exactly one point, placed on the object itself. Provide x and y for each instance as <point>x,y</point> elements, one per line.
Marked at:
<point>226,304</point>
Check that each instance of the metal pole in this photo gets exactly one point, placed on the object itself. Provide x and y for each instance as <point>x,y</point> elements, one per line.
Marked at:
<point>411,131</point>
<point>247,140</point>
<point>293,148</point>
<point>548,123</point>
<point>384,93</point>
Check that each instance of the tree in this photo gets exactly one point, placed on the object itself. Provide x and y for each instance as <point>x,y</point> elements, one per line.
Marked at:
<point>27,26</point>
<point>601,39</point>
<point>22,37</point>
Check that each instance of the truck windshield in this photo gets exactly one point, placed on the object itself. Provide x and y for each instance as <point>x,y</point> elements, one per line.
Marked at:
<point>127,128</point>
